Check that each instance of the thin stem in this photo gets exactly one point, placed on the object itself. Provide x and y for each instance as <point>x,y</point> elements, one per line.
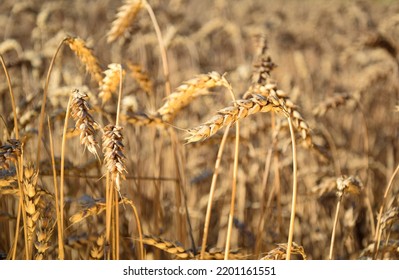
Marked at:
<point>330,256</point>
<point>377,235</point>
<point>44,100</point>
<point>233,193</point>
<point>212,192</point>
<point>294,190</point>
<point>14,109</point>
<point>62,171</point>
<point>161,44</point>
<point>61,255</point>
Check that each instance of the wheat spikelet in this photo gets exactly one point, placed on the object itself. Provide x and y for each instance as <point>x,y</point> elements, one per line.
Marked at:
<point>279,253</point>
<point>141,77</point>
<point>186,92</point>
<point>229,115</point>
<point>97,251</point>
<point>31,198</point>
<point>86,56</point>
<point>84,122</point>
<point>167,246</point>
<point>111,81</point>
<point>44,231</point>
<point>125,16</point>
<point>113,153</point>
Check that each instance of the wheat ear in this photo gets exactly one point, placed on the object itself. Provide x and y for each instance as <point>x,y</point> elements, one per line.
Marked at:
<point>187,91</point>
<point>110,82</point>
<point>84,122</point>
<point>86,56</point>
<point>125,16</point>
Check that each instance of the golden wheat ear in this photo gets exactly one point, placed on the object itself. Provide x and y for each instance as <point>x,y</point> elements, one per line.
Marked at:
<point>124,18</point>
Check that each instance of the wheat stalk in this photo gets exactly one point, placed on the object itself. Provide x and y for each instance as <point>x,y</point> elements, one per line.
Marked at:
<point>84,122</point>
<point>86,56</point>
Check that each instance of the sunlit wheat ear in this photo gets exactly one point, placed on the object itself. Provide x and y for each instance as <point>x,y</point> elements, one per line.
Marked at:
<point>31,198</point>
<point>113,153</point>
<point>141,77</point>
<point>86,56</point>
<point>110,82</point>
<point>84,122</point>
<point>186,92</point>
<point>125,16</point>
<point>10,152</point>
<point>229,115</point>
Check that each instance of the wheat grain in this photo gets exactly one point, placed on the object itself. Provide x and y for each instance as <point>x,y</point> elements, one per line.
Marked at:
<point>125,16</point>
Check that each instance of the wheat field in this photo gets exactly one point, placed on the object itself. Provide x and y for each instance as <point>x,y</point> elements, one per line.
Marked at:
<point>182,129</point>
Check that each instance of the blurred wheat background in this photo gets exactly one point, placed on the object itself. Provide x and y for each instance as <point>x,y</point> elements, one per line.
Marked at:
<point>120,108</point>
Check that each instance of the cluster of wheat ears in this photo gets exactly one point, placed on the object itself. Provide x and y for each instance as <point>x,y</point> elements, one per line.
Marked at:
<point>149,179</point>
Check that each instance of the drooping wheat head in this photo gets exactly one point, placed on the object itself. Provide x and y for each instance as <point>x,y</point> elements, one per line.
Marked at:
<point>84,122</point>
<point>187,91</point>
<point>86,56</point>
<point>229,115</point>
<point>125,16</point>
